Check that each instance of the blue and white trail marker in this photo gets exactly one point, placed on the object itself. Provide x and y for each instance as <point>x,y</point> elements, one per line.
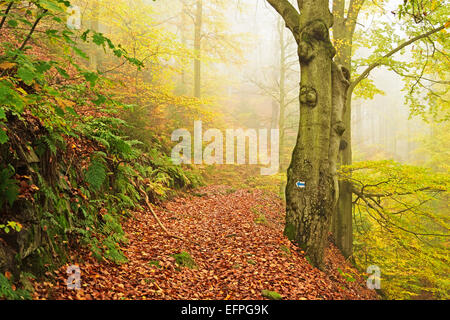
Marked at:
<point>301,184</point>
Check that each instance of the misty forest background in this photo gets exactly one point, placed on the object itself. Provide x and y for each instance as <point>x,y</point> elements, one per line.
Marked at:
<point>86,118</point>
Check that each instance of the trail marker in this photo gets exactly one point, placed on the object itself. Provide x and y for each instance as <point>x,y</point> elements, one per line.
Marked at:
<point>301,184</point>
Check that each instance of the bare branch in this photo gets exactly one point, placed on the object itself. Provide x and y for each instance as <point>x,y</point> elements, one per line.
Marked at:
<point>6,14</point>
<point>391,53</point>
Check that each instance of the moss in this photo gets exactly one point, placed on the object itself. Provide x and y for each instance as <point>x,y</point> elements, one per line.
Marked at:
<point>155,263</point>
<point>261,219</point>
<point>184,259</point>
<point>289,231</point>
<point>309,260</point>
<point>230,191</point>
<point>272,295</point>
<point>199,194</point>
<point>285,250</point>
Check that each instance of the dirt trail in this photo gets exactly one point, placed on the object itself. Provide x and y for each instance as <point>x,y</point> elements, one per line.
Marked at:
<point>236,240</point>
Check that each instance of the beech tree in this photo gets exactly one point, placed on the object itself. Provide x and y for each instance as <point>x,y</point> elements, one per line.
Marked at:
<point>324,126</point>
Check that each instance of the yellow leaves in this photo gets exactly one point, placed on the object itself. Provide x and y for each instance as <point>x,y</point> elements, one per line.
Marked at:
<point>64,102</point>
<point>7,65</point>
<point>434,5</point>
<point>22,91</point>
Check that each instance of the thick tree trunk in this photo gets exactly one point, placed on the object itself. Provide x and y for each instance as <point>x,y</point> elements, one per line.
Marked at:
<point>197,48</point>
<point>343,30</point>
<point>309,210</point>
<point>323,93</point>
<point>343,226</point>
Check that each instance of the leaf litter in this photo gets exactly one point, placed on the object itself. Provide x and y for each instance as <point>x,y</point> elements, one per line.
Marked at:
<point>234,257</point>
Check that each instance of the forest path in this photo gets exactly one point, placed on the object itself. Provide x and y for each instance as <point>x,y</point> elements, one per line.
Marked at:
<point>236,240</point>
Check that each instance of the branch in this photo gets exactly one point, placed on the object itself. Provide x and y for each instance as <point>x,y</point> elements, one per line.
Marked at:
<point>387,222</point>
<point>289,14</point>
<point>390,53</point>
<point>361,193</point>
<point>445,82</point>
<point>353,12</point>
<point>339,9</point>
<point>32,29</point>
<point>155,216</point>
<point>6,14</point>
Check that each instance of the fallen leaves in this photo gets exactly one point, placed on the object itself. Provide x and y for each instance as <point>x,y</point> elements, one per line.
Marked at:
<point>222,238</point>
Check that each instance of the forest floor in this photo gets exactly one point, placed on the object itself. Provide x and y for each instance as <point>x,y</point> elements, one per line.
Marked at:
<point>235,238</point>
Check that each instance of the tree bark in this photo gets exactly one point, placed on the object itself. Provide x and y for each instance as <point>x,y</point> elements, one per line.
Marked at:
<point>343,29</point>
<point>197,48</point>
<point>281,117</point>
<point>309,210</point>
<point>95,57</point>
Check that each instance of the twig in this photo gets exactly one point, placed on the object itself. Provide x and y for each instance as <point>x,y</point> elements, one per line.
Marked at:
<point>156,217</point>
<point>6,14</point>
<point>32,29</point>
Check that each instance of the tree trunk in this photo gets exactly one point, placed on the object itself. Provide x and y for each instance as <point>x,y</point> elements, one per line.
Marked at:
<point>182,28</point>
<point>197,48</point>
<point>282,98</point>
<point>323,98</point>
<point>95,60</point>
<point>343,29</point>
<point>309,210</point>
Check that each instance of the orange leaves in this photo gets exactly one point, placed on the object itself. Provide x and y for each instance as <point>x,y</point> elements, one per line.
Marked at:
<point>224,271</point>
<point>8,275</point>
<point>5,65</point>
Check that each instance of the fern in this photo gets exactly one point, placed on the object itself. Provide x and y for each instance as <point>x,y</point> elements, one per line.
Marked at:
<point>96,174</point>
<point>7,292</point>
<point>9,189</point>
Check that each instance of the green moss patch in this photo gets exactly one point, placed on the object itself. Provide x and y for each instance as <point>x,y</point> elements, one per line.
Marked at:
<point>184,259</point>
<point>272,295</point>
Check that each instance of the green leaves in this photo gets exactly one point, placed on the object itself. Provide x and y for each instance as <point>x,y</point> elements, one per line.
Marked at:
<point>96,173</point>
<point>13,23</point>
<point>11,225</point>
<point>26,75</point>
<point>401,224</point>
<point>10,97</point>
<point>63,73</point>
<point>80,53</point>
<point>9,190</point>
<point>53,6</point>
<point>91,77</point>
<point>8,292</point>
<point>3,136</point>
